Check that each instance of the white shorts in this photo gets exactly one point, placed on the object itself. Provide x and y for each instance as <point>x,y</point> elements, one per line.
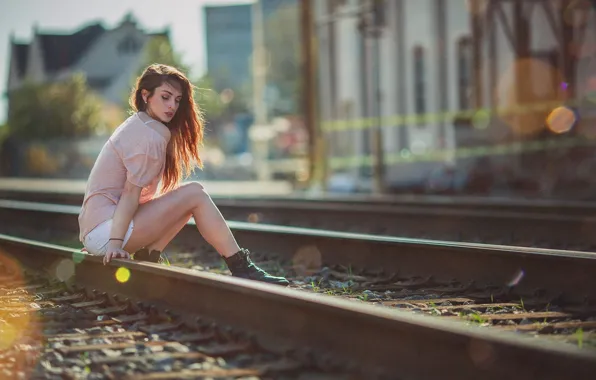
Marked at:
<point>96,241</point>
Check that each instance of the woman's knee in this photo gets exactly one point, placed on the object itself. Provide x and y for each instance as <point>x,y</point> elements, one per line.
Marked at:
<point>194,191</point>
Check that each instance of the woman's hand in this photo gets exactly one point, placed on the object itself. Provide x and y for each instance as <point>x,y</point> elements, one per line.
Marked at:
<point>115,252</point>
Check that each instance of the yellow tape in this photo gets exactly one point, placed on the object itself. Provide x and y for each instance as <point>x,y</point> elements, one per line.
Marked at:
<point>400,121</point>
<point>459,153</point>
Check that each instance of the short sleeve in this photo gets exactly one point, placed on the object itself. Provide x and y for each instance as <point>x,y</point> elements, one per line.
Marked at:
<point>143,161</point>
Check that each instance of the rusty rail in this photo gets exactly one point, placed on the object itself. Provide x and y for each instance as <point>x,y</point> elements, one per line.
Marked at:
<point>328,333</point>
<point>544,224</point>
<point>566,275</point>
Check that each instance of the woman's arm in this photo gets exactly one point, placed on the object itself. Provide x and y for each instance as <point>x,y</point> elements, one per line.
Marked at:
<point>125,211</point>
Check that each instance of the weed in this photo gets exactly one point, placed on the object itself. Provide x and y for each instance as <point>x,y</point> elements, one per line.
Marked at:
<point>316,287</point>
<point>579,334</point>
<point>475,317</point>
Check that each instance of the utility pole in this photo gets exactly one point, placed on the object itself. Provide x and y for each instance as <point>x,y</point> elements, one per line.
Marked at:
<point>308,89</point>
<point>373,29</point>
<point>260,132</point>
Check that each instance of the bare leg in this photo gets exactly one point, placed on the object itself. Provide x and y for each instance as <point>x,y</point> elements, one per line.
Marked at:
<point>161,243</point>
<point>162,217</point>
<point>158,221</point>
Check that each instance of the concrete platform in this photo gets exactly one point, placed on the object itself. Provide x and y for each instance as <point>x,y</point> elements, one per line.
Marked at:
<point>215,188</point>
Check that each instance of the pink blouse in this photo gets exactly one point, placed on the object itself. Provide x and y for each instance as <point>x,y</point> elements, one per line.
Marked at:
<point>136,153</point>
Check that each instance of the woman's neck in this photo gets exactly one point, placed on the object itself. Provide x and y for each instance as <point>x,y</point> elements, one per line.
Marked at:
<point>150,114</point>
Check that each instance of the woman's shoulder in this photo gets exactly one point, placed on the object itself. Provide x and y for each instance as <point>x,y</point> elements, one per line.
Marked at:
<point>157,126</point>
<point>138,127</point>
<point>125,127</point>
<point>134,133</point>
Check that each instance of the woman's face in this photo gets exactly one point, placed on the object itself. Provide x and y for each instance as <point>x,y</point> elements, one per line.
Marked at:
<point>164,103</point>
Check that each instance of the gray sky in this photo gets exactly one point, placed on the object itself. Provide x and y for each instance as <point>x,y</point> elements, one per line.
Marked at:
<point>184,17</point>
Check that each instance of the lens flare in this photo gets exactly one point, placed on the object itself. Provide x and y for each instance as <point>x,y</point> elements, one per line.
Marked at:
<point>8,336</point>
<point>19,323</point>
<point>516,279</point>
<point>526,95</point>
<point>481,119</point>
<point>65,270</point>
<point>254,218</point>
<point>307,260</point>
<point>122,275</point>
<point>561,120</point>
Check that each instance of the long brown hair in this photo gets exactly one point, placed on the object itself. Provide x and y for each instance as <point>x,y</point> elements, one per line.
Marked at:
<point>186,126</point>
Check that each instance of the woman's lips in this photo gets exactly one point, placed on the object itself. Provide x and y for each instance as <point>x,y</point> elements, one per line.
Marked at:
<point>170,114</point>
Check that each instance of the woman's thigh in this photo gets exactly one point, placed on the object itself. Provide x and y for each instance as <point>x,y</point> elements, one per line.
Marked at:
<point>158,216</point>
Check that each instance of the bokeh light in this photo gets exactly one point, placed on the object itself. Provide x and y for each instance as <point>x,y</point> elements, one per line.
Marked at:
<point>527,92</point>
<point>481,119</point>
<point>307,260</point>
<point>122,275</point>
<point>516,278</point>
<point>253,218</point>
<point>65,270</point>
<point>561,120</point>
<point>227,96</point>
<point>18,317</point>
<point>482,353</point>
<point>8,335</point>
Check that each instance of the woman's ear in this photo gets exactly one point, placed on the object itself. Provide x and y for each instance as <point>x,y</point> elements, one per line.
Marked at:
<point>145,95</point>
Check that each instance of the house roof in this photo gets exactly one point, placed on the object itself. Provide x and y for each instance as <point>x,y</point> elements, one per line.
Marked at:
<point>62,51</point>
<point>165,34</point>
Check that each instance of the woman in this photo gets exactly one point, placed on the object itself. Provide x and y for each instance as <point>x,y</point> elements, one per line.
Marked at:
<point>159,142</point>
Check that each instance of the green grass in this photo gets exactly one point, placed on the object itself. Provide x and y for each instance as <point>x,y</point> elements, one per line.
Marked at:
<point>579,335</point>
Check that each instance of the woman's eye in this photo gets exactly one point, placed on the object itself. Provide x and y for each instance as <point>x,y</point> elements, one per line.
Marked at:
<point>165,98</point>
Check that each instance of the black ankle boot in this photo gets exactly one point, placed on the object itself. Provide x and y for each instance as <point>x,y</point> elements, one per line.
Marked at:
<point>242,266</point>
<point>153,256</point>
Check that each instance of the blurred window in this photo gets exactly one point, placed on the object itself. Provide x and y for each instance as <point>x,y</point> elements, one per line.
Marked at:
<point>419,80</point>
<point>128,45</point>
<point>464,71</point>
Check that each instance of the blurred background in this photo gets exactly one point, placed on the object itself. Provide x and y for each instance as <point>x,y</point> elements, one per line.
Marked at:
<point>461,97</point>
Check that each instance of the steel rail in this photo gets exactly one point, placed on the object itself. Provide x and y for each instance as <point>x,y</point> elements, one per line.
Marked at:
<point>484,203</point>
<point>569,276</point>
<point>540,224</point>
<point>373,340</point>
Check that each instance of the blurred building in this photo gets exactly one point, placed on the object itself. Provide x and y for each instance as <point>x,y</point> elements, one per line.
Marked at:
<point>108,57</point>
<point>426,65</point>
<point>229,50</point>
<point>229,44</point>
<point>414,53</point>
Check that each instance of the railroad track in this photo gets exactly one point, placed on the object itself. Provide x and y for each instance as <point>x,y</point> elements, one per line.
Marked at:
<point>69,316</point>
<point>507,289</point>
<point>542,224</point>
<point>44,191</point>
